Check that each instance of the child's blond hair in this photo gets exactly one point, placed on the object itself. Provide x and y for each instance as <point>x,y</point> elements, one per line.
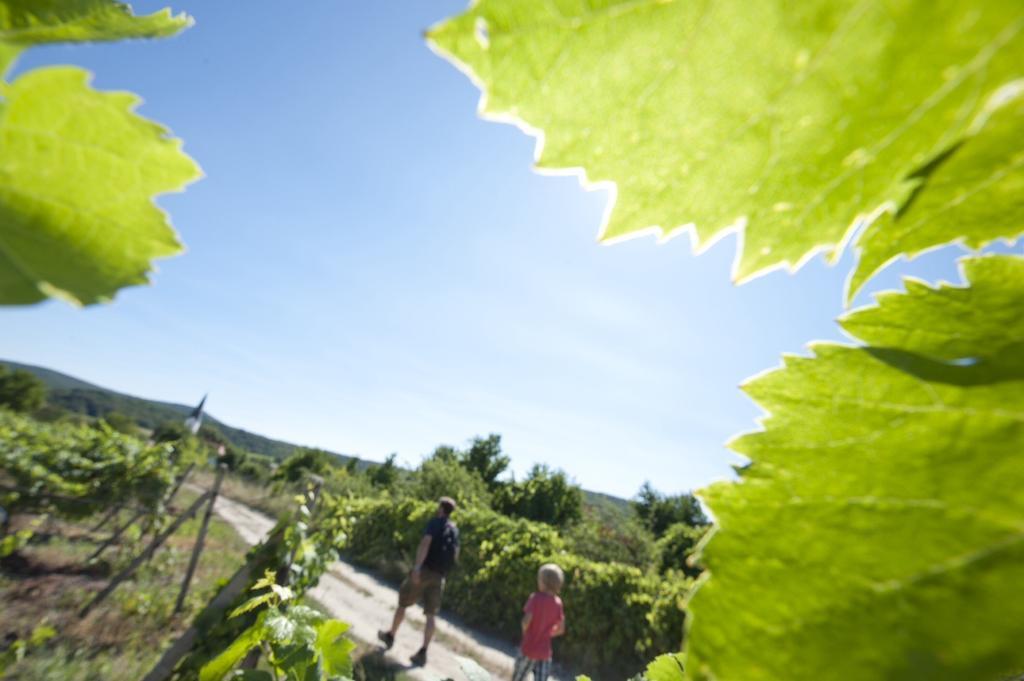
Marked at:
<point>551,576</point>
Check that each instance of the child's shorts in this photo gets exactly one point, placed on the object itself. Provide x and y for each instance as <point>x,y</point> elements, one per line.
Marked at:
<point>524,665</point>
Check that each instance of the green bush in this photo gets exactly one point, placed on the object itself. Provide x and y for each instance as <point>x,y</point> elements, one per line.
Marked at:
<point>607,540</point>
<point>437,477</point>
<point>676,547</point>
<point>545,495</point>
<point>617,616</point>
<point>76,471</point>
<point>20,390</point>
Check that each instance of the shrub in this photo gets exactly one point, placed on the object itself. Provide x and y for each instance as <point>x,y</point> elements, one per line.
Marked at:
<point>605,540</point>
<point>676,546</point>
<point>617,616</point>
<point>545,495</point>
<point>437,477</point>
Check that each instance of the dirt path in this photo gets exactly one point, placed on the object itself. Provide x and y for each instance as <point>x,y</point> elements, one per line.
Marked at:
<point>357,597</point>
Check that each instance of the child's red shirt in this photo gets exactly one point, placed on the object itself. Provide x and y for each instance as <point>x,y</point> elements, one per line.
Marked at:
<point>546,612</point>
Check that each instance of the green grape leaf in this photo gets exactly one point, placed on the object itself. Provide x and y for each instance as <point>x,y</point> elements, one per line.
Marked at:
<point>334,649</point>
<point>668,667</point>
<point>798,122</point>
<point>24,23</point>
<point>879,531</point>
<point>251,604</point>
<point>220,666</point>
<point>77,177</point>
<point>974,194</point>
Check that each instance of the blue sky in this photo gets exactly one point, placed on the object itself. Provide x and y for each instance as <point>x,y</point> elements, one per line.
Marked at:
<point>373,269</point>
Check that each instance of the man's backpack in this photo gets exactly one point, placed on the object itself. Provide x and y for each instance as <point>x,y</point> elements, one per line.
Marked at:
<point>449,546</point>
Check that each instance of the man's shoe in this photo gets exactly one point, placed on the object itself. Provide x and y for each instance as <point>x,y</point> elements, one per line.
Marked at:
<point>386,638</point>
<point>420,658</point>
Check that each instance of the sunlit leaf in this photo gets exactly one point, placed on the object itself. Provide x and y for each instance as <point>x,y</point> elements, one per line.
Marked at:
<point>877,533</point>
<point>220,666</point>
<point>334,649</point>
<point>279,627</point>
<point>24,23</point>
<point>797,119</point>
<point>667,667</point>
<point>78,174</point>
<point>974,195</point>
<point>251,604</point>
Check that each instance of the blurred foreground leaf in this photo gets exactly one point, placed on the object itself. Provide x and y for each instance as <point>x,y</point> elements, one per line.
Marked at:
<point>879,531</point>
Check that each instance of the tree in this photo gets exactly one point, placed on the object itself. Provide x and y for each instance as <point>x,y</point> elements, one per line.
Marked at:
<point>233,457</point>
<point>675,547</point>
<point>483,456</point>
<point>441,476</point>
<point>170,431</point>
<point>384,475</point>
<point>545,495</point>
<point>303,462</point>
<point>446,453</point>
<point>20,390</point>
<point>658,512</point>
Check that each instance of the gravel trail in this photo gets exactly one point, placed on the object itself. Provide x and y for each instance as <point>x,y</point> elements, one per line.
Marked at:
<point>366,603</point>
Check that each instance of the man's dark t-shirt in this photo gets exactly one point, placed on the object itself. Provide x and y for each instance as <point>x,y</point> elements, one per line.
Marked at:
<point>439,556</point>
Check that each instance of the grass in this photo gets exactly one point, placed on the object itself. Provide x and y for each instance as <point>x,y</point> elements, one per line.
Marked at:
<point>47,582</point>
<point>265,498</point>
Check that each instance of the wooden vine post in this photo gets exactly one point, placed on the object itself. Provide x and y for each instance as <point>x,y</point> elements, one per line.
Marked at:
<point>158,540</point>
<point>200,539</point>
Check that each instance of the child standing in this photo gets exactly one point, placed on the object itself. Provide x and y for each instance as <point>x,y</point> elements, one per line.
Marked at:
<point>543,619</point>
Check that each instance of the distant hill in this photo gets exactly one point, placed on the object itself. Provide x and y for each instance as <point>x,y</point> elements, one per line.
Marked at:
<point>92,400</point>
<point>82,397</point>
<point>607,504</point>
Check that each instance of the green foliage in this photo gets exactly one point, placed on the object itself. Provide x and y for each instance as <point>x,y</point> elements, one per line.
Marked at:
<point>20,647</point>
<point>618,615</point>
<point>170,431</point>
<point>905,559</point>
<point>668,667</point>
<point>301,464</point>
<point>255,468</point>
<point>297,641</point>
<point>301,644</point>
<point>96,175</point>
<point>610,539</point>
<point>676,547</point>
<point>121,423</point>
<point>823,112</point>
<point>975,194</point>
<point>658,512</point>
<point>20,390</point>
<point>14,542</point>
<point>24,23</point>
<point>545,495</point>
<point>78,470</point>
<point>878,524</point>
<point>439,476</point>
<point>385,475</point>
<point>485,458</point>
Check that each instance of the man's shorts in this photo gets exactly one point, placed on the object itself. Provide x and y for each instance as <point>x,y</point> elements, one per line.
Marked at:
<point>430,588</point>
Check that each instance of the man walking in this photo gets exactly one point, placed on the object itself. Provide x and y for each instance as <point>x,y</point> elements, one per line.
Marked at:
<point>435,556</point>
